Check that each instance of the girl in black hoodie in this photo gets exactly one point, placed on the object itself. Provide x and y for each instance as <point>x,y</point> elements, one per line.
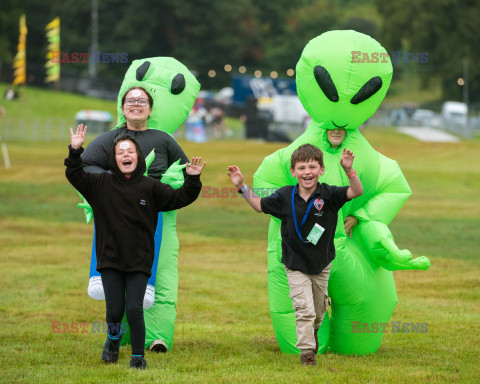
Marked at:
<point>125,207</point>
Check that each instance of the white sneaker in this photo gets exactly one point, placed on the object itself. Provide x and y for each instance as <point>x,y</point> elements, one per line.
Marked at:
<point>95,288</point>
<point>149,298</point>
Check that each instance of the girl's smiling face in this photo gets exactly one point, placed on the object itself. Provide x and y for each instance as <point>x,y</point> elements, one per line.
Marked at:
<point>126,157</point>
<point>139,111</point>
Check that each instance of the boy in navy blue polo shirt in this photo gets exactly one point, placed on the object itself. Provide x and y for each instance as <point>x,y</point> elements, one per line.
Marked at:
<point>309,212</point>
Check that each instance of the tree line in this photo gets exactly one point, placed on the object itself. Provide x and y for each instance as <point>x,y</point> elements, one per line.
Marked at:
<point>267,35</point>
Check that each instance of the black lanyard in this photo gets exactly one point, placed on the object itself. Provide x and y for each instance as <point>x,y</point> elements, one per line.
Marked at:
<point>295,216</point>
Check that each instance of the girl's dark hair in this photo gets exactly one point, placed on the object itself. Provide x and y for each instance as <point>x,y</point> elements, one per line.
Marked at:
<point>306,152</point>
<point>150,98</point>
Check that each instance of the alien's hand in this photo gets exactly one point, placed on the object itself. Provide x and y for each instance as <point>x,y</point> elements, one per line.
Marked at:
<point>382,248</point>
<point>87,209</point>
<point>421,262</point>
<point>173,176</point>
<point>149,160</point>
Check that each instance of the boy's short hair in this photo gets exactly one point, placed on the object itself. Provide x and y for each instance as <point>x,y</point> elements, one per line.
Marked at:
<point>306,152</point>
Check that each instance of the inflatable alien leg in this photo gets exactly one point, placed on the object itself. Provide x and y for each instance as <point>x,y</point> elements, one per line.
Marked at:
<point>361,293</point>
<point>160,318</point>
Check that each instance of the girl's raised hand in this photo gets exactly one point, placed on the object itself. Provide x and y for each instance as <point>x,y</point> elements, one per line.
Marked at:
<point>78,138</point>
<point>195,167</point>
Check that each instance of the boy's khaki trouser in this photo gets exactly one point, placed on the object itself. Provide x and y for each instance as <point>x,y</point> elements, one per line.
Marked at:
<point>310,299</point>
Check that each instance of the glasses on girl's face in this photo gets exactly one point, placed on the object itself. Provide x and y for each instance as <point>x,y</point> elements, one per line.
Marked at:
<point>140,102</point>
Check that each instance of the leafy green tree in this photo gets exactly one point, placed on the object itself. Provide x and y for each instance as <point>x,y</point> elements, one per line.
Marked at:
<point>446,29</point>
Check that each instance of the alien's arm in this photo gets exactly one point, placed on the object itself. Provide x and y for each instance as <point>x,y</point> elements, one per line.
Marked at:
<point>390,193</point>
<point>383,251</point>
<point>377,212</point>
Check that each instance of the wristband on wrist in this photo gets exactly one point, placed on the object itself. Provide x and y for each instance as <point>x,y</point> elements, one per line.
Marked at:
<point>351,174</point>
<point>243,189</point>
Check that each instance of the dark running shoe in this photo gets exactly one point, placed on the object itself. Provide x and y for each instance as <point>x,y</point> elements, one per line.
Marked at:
<point>308,359</point>
<point>138,362</point>
<point>111,349</point>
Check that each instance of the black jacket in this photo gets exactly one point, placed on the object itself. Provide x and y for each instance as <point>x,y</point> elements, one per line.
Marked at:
<point>126,210</point>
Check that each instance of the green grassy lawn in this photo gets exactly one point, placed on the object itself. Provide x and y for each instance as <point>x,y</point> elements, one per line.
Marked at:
<point>223,331</point>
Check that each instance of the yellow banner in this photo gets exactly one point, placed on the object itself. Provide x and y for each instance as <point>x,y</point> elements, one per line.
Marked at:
<point>19,62</point>
<point>53,36</point>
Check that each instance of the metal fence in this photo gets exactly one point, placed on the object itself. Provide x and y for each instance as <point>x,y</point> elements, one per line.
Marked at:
<point>57,128</point>
<point>388,117</point>
<point>34,129</point>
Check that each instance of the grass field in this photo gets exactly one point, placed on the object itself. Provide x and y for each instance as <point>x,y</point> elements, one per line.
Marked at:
<point>223,330</point>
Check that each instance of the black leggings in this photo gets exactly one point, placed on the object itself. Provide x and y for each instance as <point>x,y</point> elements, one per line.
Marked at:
<point>126,289</point>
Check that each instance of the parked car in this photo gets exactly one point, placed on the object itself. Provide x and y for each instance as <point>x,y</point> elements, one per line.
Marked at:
<point>425,118</point>
<point>455,112</point>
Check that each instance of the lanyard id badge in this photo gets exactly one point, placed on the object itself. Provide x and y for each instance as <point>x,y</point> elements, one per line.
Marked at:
<point>303,220</point>
<point>315,234</point>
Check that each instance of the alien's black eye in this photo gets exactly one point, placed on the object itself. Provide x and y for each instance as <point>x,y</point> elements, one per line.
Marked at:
<point>371,87</point>
<point>178,84</point>
<point>326,83</point>
<point>142,70</point>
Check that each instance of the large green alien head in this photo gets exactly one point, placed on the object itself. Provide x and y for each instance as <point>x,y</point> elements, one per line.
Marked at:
<point>342,77</point>
<point>173,88</point>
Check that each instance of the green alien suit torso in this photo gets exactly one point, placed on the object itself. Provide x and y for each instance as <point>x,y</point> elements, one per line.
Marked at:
<point>174,89</point>
<point>340,93</point>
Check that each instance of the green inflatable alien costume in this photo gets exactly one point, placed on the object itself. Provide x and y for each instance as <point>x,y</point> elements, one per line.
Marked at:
<point>174,89</point>
<point>339,92</point>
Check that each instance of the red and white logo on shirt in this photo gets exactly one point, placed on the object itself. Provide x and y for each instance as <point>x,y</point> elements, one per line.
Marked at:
<point>318,203</point>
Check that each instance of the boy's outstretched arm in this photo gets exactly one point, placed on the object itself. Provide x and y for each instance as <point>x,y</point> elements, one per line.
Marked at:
<point>237,180</point>
<point>356,188</point>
